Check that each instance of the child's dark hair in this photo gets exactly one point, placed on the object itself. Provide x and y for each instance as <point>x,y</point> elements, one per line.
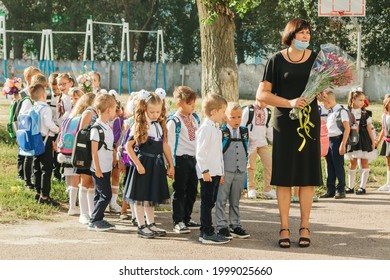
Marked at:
<point>141,123</point>
<point>212,102</point>
<point>36,91</point>
<point>53,79</point>
<point>354,93</point>
<point>184,94</point>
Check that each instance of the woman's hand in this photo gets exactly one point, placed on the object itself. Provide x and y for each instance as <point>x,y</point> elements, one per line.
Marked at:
<point>141,169</point>
<point>298,103</point>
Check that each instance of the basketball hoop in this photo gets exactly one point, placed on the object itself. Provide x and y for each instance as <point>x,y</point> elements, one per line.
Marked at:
<point>341,8</point>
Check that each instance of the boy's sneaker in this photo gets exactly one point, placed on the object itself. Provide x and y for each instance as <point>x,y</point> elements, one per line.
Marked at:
<point>270,194</point>
<point>384,188</point>
<point>239,232</point>
<point>252,194</point>
<point>214,239</point>
<point>84,219</point>
<point>339,195</point>
<point>192,224</point>
<point>48,201</point>
<point>225,233</point>
<point>115,208</point>
<point>180,227</point>
<point>100,226</point>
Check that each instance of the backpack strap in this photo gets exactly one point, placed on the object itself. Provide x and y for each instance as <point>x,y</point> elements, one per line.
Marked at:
<point>100,130</point>
<point>226,138</point>
<point>338,118</point>
<point>177,122</point>
<point>251,110</point>
<point>244,135</point>
<point>196,117</point>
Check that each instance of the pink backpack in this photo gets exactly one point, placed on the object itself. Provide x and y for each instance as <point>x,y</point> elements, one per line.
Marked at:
<point>66,137</point>
<point>324,139</point>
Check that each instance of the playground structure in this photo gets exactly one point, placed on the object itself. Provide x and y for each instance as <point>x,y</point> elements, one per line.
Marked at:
<point>46,54</point>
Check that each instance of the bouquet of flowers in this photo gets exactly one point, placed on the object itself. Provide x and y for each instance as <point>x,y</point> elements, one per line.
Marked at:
<point>332,68</point>
<point>12,86</point>
<point>85,81</point>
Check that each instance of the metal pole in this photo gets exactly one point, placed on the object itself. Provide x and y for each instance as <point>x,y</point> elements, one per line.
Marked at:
<point>4,36</point>
<point>128,60</point>
<point>359,49</point>
<point>121,58</point>
<point>41,52</point>
<point>157,58</point>
<point>51,50</point>
<point>163,59</point>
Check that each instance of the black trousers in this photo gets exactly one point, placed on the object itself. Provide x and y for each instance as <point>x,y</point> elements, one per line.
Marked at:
<point>185,189</point>
<point>56,164</point>
<point>43,168</point>
<point>335,166</point>
<point>25,169</point>
<point>102,197</point>
<point>208,196</point>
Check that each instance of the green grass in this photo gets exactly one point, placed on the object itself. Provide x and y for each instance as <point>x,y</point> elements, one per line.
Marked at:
<point>17,204</point>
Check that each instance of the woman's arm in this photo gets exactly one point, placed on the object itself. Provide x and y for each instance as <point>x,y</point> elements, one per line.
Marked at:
<point>264,94</point>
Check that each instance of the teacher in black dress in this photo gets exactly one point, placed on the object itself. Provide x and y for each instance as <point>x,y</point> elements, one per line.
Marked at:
<point>284,80</point>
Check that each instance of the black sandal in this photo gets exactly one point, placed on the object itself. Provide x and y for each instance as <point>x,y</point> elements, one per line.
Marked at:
<point>304,239</point>
<point>284,240</point>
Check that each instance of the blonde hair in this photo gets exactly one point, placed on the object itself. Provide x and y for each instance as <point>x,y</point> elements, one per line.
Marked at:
<point>212,102</point>
<point>92,73</point>
<point>232,106</point>
<point>141,124</point>
<point>39,79</point>
<point>75,91</point>
<point>184,94</point>
<point>354,93</point>
<point>36,91</point>
<point>386,101</point>
<point>82,104</point>
<point>103,102</point>
<point>53,78</point>
<point>30,71</point>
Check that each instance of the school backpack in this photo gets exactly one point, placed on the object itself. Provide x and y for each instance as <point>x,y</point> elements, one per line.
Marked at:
<point>12,125</point>
<point>353,137</point>
<point>177,122</point>
<point>226,138</point>
<point>251,115</point>
<point>67,135</point>
<point>82,153</point>
<point>28,135</point>
<point>324,134</point>
<point>122,151</point>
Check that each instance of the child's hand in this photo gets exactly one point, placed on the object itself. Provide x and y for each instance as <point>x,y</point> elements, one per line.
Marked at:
<point>206,177</point>
<point>373,146</point>
<point>171,172</point>
<point>98,173</point>
<point>222,180</point>
<point>54,145</point>
<point>342,149</point>
<point>140,169</point>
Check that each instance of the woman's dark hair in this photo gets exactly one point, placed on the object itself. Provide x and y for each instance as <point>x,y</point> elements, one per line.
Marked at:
<point>293,27</point>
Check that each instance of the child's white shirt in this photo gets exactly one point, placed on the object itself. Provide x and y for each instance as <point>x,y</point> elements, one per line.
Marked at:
<point>26,106</point>
<point>358,114</point>
<point>46,120</point>
<point>331,123</point>
<point>106,157</point>
<point>209,154</point>
<point>154,130</point>
<point>259,133</point>
<point>185,145</point>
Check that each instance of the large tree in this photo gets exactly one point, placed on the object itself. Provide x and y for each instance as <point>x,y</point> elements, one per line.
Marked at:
<point>217,28</point>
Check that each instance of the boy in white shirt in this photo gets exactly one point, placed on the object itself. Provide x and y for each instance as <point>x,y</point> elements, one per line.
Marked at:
<point>181,139</point>
<point>102,160</point>
<point>43,164</point>
<point>257,118</point>
<point>209,159</point>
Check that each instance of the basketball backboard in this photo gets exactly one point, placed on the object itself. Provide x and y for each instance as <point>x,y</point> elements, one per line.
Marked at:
<point>343,8</point>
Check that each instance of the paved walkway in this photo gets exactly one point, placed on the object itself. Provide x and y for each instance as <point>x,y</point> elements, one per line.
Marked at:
<point>357,227</point>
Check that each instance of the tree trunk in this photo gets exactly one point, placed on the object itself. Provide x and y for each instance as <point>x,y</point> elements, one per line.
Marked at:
<point>219,70</point>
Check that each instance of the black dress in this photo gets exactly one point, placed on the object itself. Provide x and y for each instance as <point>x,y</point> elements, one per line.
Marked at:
<point>289,166</point>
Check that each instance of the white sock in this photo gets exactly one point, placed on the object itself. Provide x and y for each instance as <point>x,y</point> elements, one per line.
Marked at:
<point>83,200</point>
<point>364,177</point>
<point>132,210</point>
<point>91,202</point>
<point>149,213</point>
<point>351,178</point>
<point>388,178</point>
<point>114,197</point>
<point>72,197</point>
<point>139,214</point>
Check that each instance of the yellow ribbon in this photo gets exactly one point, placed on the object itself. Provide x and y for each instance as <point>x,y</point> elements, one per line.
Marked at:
<point>305,124</point>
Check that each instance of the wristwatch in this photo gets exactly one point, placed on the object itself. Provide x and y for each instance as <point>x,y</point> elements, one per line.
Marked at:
<point>205,171</point>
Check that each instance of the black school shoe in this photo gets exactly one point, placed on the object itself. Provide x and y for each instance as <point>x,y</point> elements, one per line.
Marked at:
<point>349,190</point>
<point>48,201</point>
<point>327,195</point>
<point>239,232</point>
<point>361,191</point>
<point>225,233</point>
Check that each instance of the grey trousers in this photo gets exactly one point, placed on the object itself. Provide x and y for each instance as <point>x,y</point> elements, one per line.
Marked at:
<point>230,191</point>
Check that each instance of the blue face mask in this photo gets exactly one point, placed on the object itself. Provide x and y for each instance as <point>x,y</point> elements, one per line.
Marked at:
<point>300,46</point>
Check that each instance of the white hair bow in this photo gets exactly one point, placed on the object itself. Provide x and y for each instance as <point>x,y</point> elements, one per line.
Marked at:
<point>143,94</point>
<point>161,93</point>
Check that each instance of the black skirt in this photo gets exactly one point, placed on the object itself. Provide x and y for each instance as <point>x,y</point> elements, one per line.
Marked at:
<point>150,188</point>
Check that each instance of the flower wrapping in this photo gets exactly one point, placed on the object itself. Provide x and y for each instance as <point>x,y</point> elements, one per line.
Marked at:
<point>12,86</point>
<point>85,81</point>
<point>332,68</point>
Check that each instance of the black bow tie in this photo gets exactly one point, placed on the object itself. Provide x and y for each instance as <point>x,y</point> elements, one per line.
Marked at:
<point>154,122</point>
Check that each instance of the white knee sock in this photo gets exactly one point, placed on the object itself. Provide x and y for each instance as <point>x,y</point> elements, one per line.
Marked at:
<point>149,213</point>
<point>114,195</point>
<point>83,200</point>
<point>388,178</point>
<point>351,178</point>
<point>132,210</point>
<point>364,177</point>
<point>139,214</point>
<point>72,197</point>
<point>91,203</point>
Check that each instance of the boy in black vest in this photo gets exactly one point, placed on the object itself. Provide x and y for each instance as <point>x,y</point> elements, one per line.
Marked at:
<point>182,144</point>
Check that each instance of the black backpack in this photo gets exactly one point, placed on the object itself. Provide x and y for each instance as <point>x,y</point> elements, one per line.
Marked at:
<point>353,137</point>
<point>82,153</point>
<point>251,109</point>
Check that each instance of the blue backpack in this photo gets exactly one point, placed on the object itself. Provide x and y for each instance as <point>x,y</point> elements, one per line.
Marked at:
<point>28,135</point>
<point>227,139</point>
<point>177,122</point>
